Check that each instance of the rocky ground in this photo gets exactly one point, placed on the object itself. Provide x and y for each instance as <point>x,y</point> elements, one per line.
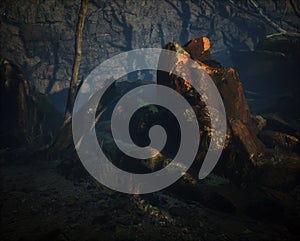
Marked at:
<point>38,203</point>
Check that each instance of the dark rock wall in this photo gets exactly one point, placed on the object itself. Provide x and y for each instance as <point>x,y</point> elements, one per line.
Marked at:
<point>39,35</point>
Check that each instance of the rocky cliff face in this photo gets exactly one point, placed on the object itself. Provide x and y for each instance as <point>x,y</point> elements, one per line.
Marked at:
<point>39,35</point>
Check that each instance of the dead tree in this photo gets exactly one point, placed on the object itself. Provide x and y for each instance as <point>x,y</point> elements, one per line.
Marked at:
<point>65,133</point>
<point>77,58</point>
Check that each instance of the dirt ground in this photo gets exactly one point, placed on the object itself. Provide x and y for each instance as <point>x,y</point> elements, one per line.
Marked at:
<point>38,203</point>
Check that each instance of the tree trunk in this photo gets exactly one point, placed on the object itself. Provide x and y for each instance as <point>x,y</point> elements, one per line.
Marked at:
<point>65,133</point>
<point>77,58</point>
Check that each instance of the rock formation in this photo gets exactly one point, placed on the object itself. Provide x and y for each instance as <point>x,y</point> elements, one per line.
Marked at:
<point>242,131</point>
<point>27,118</point>
<point>14,92</point>
<point>247,137</point>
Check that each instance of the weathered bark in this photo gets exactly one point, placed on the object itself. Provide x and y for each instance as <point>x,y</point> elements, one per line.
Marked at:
<point>64,135</point>
<point>77,58</point>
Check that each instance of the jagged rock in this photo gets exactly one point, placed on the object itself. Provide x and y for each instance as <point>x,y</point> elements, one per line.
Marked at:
<point>281,173</point>
<point>243,137</point>
<point>260,122</point>
<point>241,125</point>
<point>282,140</point>
<point>199,47</point>
<point>256,201</point>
